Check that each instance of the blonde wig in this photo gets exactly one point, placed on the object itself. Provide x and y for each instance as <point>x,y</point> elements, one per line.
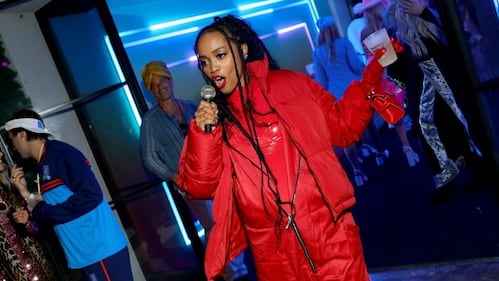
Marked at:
<point>412,29</point>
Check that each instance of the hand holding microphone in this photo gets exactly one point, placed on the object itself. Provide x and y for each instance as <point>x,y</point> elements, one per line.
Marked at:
<point>207,112</point>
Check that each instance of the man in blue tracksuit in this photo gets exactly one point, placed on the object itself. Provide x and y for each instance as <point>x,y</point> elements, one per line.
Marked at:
<point>69,198</point>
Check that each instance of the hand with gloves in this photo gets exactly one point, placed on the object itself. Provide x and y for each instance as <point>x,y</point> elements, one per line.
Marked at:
<point>373,72</point>
<point>382,100</point>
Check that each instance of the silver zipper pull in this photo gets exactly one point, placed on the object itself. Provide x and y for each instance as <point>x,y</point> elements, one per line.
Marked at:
<point>290,220</point>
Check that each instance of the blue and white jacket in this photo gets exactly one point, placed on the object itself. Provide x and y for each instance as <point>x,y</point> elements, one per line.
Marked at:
<point>73,202</point>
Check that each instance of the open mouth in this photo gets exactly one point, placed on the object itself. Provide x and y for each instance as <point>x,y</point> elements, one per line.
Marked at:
<point>219,81</point>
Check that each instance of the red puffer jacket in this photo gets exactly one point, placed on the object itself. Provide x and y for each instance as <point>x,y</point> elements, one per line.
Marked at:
<point>315,123</point>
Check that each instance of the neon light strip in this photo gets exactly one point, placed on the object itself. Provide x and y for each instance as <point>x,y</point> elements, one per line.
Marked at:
<point>313,11</point>
<point>133,31</point>
<point>290,28</point>
<point>161,37</point>
<point>256,5</point>
<point>117,67</point>
<point>185,20</point>
<point>179,62</point>
<point>209,15</point>
<point>159,26</point>
<point>189,30</point>
<point>180,224</point>
<point>163,25</point>
<point>295,27</point>
<point>259,13</point>
<point>263,37</point>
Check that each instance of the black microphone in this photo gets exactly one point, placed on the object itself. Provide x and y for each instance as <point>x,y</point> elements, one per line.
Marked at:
<point>208,94</point>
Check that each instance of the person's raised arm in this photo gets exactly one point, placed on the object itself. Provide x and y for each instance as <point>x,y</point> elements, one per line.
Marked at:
<point>18,180</point>
<point>200,164</point>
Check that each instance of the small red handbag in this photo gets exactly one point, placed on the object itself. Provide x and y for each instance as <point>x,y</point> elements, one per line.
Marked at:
<point>388,101</point>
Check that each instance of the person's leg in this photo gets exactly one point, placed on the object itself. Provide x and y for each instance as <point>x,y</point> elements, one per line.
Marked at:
<point>373,145</point>
<point>412,157</point>
<point>235,269</point>
<point>428,127</point>
<point>113,268</point>
<point>351,155</point>
<point>202,209</point>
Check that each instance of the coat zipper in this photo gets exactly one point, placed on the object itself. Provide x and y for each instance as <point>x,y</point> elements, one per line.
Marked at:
<point>302,242</point>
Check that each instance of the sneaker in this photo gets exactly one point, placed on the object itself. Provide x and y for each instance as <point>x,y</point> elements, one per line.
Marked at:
<point>448,173</point>
<point>368,150</point>
<point>381,156</point>
<point>360,160</point>
<point>460,161</point>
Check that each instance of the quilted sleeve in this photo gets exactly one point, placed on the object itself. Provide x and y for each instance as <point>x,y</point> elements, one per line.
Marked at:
<point>346,118</point>
<point>200,165</point>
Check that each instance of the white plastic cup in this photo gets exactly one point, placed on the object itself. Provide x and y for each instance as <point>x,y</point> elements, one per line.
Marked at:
<point>376,41</point>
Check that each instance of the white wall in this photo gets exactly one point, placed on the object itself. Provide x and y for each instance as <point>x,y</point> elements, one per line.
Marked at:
<point>30,55</point>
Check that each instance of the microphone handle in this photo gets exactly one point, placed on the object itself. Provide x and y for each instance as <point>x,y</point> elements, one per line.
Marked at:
<point>208,127</point>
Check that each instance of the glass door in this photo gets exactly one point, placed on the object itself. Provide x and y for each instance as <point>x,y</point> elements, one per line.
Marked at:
<point>106,97</point>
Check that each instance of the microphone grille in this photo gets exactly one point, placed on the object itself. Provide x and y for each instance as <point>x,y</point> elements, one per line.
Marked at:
<point>208,92</point>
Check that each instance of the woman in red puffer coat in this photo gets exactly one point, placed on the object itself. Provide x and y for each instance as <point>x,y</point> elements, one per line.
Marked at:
<point>268,161</point>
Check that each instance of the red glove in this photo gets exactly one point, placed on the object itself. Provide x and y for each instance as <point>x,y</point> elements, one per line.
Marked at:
<point>371,77</point>
<point>397,46</point>
<point>373,72</point>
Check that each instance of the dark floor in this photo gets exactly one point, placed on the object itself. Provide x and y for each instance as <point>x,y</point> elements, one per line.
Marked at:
<point>471,270</point>
<point>402,225</point>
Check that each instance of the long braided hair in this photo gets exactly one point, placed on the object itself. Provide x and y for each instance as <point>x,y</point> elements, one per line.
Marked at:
<point>239,32</point>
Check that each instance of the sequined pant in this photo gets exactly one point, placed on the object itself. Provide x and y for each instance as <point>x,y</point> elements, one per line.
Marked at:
<point>434,82</point>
